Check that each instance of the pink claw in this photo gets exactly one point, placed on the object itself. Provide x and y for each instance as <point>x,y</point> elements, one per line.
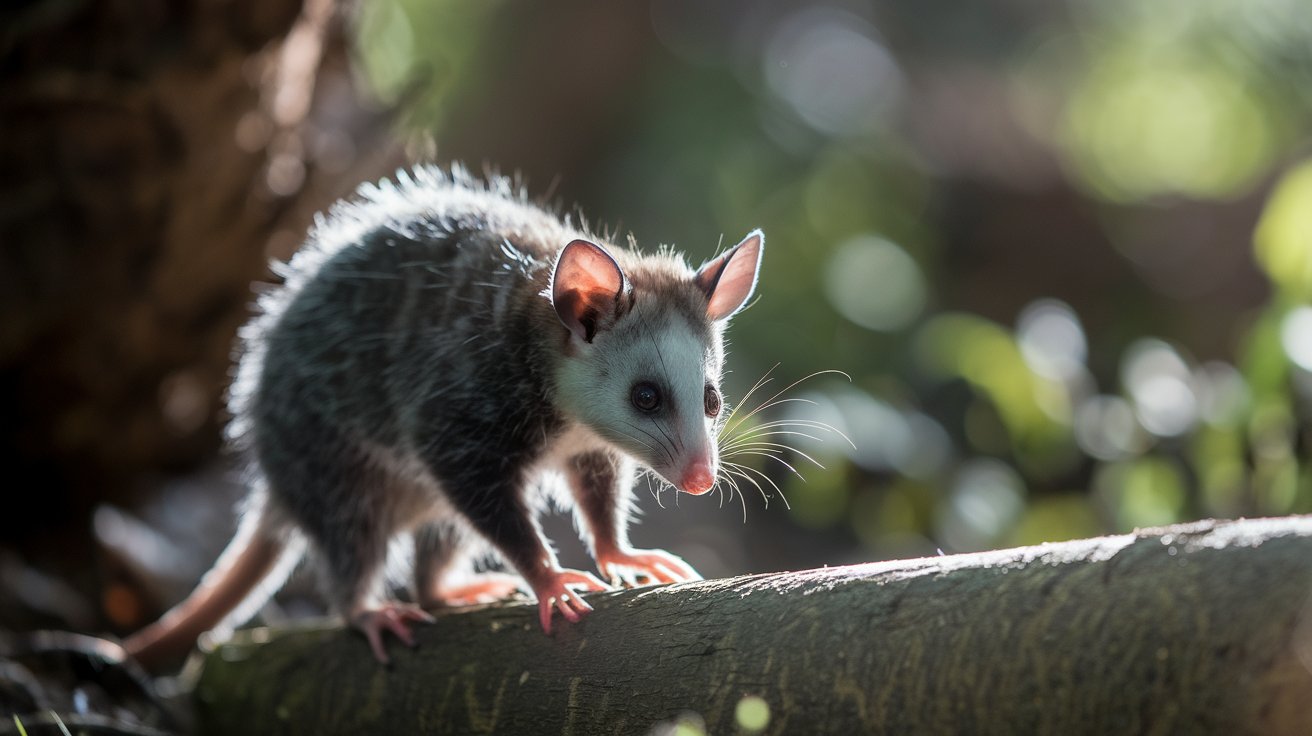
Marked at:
<point>556,592</point>
<point>654,564</point>
<point>394,617</point>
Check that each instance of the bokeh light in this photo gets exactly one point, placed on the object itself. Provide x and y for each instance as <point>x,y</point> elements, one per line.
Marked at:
<point>1284,234</point>
<point>831,69</point>
<point>1172,100</point>
<point>1141,493</point>
<point>1051,339</point>
<point>1106,428</point>
<point>1145,124</point>
<point>875,284</point>
<point>1159,383</point>
<point>1296,335</point>
<point>986,500</point>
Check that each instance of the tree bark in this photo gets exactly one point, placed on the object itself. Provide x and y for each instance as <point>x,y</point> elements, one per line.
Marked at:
<point>1199,628</point>
<point>154,154</point>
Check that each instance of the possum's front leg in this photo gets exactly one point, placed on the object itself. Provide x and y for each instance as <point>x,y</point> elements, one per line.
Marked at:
<point>600,482</point>
<point>497,511</point>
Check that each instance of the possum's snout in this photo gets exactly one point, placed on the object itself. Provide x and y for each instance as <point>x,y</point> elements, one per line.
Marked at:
<point>698,477</point>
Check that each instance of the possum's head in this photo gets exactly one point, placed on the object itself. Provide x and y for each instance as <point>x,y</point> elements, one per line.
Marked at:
<point>644,351</point>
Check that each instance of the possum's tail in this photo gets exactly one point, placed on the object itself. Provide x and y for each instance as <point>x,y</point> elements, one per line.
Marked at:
<point>255,564</point>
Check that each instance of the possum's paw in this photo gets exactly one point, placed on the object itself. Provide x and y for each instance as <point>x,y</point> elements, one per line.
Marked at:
<point>487,587</point>
<point>391,616</point>
<point>556,591</point>
<point>655,565</point>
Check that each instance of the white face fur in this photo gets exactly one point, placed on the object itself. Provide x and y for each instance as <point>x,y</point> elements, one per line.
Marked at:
<point>643,371</point>
<point>643,386</point>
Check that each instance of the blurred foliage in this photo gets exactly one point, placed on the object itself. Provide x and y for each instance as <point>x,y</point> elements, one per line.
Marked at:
<point>1184,97</point>
<point>1001,392</point>
<point>1284,234</point>
<point>421,53</point>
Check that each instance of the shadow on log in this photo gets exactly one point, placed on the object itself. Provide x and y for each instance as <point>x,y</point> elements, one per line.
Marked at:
<point>1200,628</point>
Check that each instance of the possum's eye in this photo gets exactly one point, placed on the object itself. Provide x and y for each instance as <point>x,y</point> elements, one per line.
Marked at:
<point>711,398</point>
<point>645,396</point>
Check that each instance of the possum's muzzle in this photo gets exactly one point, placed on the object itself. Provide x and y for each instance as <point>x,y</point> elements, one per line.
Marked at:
<point>698,478</point>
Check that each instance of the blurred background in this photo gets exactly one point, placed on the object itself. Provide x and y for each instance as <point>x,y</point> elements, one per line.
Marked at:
<point>1061,250</point>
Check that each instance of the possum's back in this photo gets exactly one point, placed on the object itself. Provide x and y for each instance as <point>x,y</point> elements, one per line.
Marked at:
<point>396,299</point>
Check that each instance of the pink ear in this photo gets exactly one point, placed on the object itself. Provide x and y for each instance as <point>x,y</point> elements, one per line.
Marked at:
<point>730,279</point>
<point>585,288</point>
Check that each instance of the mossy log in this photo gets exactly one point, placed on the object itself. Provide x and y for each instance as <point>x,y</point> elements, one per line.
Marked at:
<point>1199,628</point>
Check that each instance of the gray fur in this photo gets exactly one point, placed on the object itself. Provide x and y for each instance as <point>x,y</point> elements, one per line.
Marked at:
<point>410,377</point>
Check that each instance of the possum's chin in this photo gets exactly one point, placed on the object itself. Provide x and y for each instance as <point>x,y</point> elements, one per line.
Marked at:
<point>663,477</point>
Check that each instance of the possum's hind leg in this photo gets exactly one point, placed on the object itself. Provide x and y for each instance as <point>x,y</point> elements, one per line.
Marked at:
<point>352,564</point>
<point>354,553</point>
<point>444,574</point>
<point>350,508</point>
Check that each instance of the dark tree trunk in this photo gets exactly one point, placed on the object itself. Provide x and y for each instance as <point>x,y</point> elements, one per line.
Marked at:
<point>152,152</point>
<point>1201,628</point>
<point>157,154</point>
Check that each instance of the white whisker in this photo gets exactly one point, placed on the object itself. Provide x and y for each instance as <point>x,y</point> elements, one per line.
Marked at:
<point>804,423</point>
<point>767,479</point>
<point>736,470</point>
<point>779,460</point>
<point>764,379</point>
<point>733,488</point>
<point>775,446</point>
<point>772,399</point>
<point>736,439</point>
<point>755,436</point>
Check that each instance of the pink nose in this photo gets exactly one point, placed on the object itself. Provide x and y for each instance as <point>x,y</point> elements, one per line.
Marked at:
<point>697,479</point>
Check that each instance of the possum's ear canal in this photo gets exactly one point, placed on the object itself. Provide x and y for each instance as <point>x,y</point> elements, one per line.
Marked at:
<point>586,289</point>
<point>730,279</point>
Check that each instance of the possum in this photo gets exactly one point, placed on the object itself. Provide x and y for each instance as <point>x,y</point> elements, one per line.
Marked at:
<point>440,350</point>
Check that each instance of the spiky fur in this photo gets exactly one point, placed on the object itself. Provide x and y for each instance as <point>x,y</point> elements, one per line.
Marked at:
<point>411,377</point>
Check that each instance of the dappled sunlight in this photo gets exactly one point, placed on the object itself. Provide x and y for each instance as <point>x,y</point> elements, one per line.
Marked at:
<point>389,51</point>
<point>1056,517</point>
<point>1284,234</point>
<point>986,501</point>
<point>1144,492</point>
<point>1158,382</point>
<point>832,71</point>
<point>1182,97</point>
<point>1106,428</point>
<point>1223,394</point>
<point>420,53</point>
<point>1146,123</point>
<point>908,442</point>
<point>1052,340</point>
<point>1296,336</point>
<point>987,355</point>
<point>875,284</point>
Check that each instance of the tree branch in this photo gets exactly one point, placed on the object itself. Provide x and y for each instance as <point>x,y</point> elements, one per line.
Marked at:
<point>1200,628</point>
